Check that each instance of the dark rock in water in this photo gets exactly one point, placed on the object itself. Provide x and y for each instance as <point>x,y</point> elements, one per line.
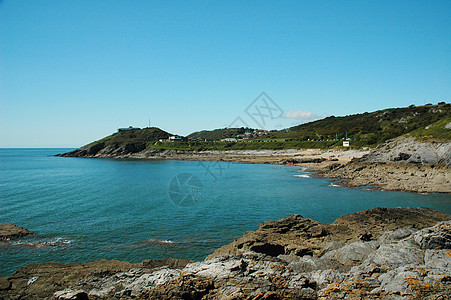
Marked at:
<point>10,231</point>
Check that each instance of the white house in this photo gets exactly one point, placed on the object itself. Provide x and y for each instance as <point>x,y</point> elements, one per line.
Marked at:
<point>346,143</point>
<point>175,138</point>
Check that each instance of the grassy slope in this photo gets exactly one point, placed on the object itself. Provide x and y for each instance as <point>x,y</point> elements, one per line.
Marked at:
<point>368,129</point>
<point>437,131</point>
<point>218,134</point>
<point>143,136</point>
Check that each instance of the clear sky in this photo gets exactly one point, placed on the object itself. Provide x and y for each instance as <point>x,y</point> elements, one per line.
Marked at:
<point>74,71</point>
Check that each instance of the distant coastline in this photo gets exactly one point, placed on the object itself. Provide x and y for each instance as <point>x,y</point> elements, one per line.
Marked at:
<point>402,164</point>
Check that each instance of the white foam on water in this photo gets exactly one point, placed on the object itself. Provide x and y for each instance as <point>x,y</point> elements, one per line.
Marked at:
<point>160,241</point>
<point>302,176</point>
<point>56,242</point>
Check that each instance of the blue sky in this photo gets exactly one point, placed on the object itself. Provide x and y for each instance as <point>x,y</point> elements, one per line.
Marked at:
<point>74,71</point>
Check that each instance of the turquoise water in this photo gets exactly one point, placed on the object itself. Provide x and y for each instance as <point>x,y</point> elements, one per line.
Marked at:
<point>89,209</point>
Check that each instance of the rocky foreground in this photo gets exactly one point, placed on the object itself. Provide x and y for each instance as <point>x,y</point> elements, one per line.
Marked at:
<point>389,253</point>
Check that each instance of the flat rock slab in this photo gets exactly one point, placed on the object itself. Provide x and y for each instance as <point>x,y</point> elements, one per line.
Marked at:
<point>10,231</point>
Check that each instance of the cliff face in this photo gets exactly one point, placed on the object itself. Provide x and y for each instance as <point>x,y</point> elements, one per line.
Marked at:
<point>409,151</point>
<point>401,164</point>
<point>400,253</point>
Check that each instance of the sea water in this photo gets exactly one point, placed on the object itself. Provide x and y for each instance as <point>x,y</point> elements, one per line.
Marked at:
<point>85,209</point>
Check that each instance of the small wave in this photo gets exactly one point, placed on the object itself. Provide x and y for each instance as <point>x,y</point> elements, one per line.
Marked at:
<point>302,176</point>
<point>334,185</point>
<point>160,241</point>
<point>57,242</point>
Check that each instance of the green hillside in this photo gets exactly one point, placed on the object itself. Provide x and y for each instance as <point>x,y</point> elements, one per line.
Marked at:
<point>439,131</point>
<point>136,137</point>
<point>427,122</point>
<point>218,134</point>
<point>370,128</point>
<point>365,129</point>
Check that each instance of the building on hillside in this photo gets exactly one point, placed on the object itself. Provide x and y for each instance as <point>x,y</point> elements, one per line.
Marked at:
<point>346,143</point>
<point>229,140</point>
<point>175,138</point>
<point>129,128</point>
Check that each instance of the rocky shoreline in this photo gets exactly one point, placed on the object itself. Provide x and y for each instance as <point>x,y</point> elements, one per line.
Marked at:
<point>389,253</point>
<point>401,164</point>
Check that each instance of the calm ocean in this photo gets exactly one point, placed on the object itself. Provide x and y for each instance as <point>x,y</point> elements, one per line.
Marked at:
<point>89,209</point>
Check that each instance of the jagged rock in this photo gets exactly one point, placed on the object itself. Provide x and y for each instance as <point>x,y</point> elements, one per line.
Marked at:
<point>305,263</point>
<point>326,277</point>
<point>439,260</point>
<point>395,255</point>
<point>334,245</point>
<point>166,262</point>
<point>300,236</point>
<point>379,220</point>
<point>395,235</point>
<point>294,235</point>
<point>400,164</point>
<point>436,237</point>
<point>353,253</point>
<point>149,280</point>
<point>186,287</point>
<point>10,231</point>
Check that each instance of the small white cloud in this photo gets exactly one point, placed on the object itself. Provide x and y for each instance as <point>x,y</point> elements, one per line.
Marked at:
<point>301,115</point>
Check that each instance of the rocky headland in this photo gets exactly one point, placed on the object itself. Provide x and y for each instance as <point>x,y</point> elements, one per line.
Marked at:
<point>400,164</point>
<point>388,253</point>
